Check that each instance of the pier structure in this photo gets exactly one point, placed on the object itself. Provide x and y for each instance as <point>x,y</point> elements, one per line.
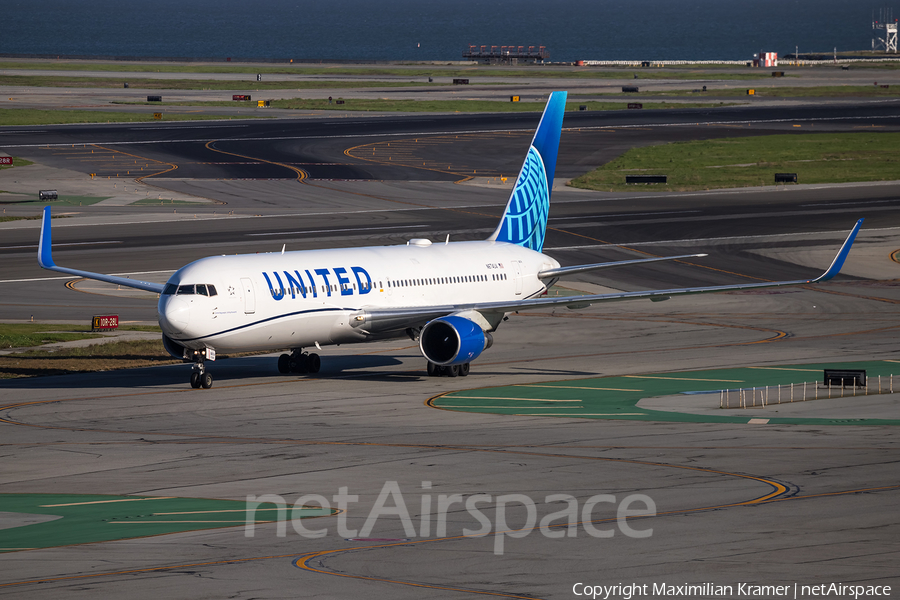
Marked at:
<point>885,22</point>
<point>510,55</point>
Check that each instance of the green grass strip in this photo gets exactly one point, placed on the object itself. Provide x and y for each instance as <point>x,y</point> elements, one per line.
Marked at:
<point>753,161</point>
<point>462,106</point>
<point>17,162</point>
<point>832,91</point>
<point>27,116</point>
<point>20,335</point>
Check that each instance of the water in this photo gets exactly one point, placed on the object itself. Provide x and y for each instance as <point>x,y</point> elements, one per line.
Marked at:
<point>431,29</point>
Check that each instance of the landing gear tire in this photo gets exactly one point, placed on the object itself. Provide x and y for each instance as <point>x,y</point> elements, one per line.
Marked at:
<point>205,380</point>
<point>463,369</point>
<point>284,363</point>
<point>313,363</point>
<point>452,371</point>
<point>432,369</point>
<point>195,380</point>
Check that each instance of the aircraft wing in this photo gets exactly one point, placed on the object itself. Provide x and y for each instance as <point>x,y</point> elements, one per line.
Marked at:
<point>45,259</point>
<point>377,320</point>
<point>562,271</point>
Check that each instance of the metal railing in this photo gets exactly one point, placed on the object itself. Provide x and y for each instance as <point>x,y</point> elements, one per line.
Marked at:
<point>758,397</point>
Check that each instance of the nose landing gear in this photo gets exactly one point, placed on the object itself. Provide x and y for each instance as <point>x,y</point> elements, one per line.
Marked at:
<point>200,377</point>
<point>299,361</point>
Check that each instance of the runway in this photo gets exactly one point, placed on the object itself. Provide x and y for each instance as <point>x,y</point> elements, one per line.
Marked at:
<point>767,504</point>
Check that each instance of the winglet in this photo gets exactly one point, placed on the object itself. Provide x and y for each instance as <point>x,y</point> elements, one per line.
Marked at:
<point>838,262</point>
<point>45,251</point>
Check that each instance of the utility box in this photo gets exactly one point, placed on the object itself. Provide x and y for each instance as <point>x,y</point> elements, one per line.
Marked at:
<point>48,195</point>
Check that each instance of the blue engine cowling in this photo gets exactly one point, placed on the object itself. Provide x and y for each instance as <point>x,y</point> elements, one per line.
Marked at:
<point>452,340</point>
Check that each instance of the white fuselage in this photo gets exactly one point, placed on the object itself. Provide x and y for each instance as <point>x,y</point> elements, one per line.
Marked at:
<point>299,299</point>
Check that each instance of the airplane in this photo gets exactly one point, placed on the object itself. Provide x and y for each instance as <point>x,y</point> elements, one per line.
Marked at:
<point>448,296</point>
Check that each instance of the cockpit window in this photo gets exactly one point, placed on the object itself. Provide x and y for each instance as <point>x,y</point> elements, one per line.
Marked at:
<point>204,289</point>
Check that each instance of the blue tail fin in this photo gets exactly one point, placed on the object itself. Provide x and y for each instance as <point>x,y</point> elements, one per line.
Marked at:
<point>525,221</point>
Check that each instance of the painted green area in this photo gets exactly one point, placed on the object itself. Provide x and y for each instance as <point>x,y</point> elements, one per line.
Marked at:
<point>28,116</point>
<point>99,518</point>
<point>63,200</point>
<point>753,161</point>
<point>617,397</point>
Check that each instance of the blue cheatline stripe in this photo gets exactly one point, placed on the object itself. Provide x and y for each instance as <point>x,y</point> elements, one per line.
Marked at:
<point>293,314</point>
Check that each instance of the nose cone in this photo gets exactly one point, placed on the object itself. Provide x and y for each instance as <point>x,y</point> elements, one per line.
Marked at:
<point>174,315</point>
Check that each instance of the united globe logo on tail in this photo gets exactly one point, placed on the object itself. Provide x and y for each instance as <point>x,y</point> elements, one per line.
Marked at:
<point>525,221</point>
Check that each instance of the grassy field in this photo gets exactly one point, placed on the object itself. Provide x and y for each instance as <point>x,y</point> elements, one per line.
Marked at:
<point>61,201</point>
<point>20,335</point>
<point>753,161</point>
<point>473,106</point>
<point>421,71</point>
<point>836,91</point>
<point>28,116</point>
<point>96,357</point>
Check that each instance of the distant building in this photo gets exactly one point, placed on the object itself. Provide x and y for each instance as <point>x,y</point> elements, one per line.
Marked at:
<point>509,55</point>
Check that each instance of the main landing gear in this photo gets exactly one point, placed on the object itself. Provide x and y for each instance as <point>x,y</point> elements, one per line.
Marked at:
<point>451,371</point>
<point>299,362</point>
<point>200,377</point>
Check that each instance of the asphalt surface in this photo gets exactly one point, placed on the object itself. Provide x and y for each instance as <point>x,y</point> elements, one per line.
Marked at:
<point>736,503</point>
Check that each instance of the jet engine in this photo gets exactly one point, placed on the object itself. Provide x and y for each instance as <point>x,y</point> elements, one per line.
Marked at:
<point>453,340</point>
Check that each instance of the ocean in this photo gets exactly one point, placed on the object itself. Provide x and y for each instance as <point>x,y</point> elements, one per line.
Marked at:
<point>432,30</point>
